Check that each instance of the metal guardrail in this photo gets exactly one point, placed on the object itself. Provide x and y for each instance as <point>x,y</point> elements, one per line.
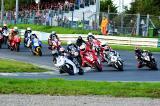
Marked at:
<point>114,40</point>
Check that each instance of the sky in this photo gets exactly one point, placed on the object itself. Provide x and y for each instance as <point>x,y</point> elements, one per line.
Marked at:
<point>126,3</point>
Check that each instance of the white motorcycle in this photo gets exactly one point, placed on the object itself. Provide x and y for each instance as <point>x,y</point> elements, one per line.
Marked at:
<point>65,65</point>
<point>113,59</point>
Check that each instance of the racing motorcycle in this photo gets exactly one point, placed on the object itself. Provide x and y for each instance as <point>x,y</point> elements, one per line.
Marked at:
<point>35,46</point>
<point>92,60</point>
<point>148,60</point>
<point>15,43</point>
<point>113,59</point>
<point>74,55</point>
<point>65,65</point>
<point>1,40</point>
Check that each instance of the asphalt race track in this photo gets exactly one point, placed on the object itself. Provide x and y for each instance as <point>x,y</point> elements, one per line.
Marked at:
<point>130,73</point>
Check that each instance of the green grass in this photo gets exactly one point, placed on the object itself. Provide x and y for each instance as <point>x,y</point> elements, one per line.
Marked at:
<point>118,47</point>
<point>65,87</point>
<point>12,66</point>
<point>49,29</point>
<point>131,48</point>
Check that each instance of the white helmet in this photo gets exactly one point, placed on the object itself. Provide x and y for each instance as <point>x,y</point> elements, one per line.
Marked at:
<point>69,42</point>
<point>61,49</point>
<point>83,47</point>
<point>15,28</point>
<point>53,32</point>
<point>28,28</point>
<point>104,43</point>
<point>90,33</point>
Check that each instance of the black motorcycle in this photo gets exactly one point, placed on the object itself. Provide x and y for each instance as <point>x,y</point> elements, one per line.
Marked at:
<point>74,55</point>
<point>148,60</point>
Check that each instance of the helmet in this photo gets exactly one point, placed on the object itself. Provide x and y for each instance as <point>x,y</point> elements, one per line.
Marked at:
<point>83,47</point>
<point>15,29</point>
<point>53,33</point>
<point>103,43</point>
<point>5,25</point>
<point>90,34</point>
<point>28,29</point>
<point>61,49</point>
<point>79,37</point>
<point>69,42</point>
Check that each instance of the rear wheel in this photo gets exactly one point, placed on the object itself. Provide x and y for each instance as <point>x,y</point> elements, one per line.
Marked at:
<point>38,50</point>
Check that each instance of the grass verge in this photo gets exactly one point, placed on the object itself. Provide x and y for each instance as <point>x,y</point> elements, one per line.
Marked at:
<point>118,47</point>
<point>49,29</point>
<point>65,87</point>
<point>11,66</point>
<point>131,48</point>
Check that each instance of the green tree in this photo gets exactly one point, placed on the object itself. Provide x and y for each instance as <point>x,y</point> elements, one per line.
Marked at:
<point>145,7</point>
<point>104,4</point>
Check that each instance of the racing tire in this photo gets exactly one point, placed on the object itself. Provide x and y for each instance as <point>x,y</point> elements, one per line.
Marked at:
<point>68,69</point>
<point>17,46</point>
<point>98,67</point>
<point>119,66</point>
<point>81,71</point>
<point>39,52</point>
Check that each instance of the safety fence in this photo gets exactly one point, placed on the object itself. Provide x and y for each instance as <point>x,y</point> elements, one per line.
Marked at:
<point>88,19</point>
<point>113,40</point>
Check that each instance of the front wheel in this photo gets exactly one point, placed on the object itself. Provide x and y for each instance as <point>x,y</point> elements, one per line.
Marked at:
<point>17,46</point>
<point>153,66</point>
<point>81,71</point>
<point>119,65</point>
<point>98,66</point>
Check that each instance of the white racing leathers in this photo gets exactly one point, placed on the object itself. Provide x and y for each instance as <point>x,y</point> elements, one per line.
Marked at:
<point>64,61</point>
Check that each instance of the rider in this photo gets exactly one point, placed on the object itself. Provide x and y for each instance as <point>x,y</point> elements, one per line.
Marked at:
<point>138,53</point>
<point>71,55</point>
<point>53,37</point>
<point>4,30</point>
<point>27,35</point>
<point>34,40</point>
<point>80,41</point>
<point>84,50</point>
<point>12,34</point>
<point>4,27</point>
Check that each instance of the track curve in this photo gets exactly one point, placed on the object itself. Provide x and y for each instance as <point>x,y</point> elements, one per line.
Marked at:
<point>130,73</point>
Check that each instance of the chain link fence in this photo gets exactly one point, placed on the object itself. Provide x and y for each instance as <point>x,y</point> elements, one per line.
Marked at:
<point>126,24</point>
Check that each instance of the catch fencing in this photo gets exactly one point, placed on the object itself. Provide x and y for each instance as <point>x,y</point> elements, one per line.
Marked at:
<point>119,23</point>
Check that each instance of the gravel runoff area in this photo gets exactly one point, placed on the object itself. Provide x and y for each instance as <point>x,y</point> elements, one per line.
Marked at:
<point>43,100</point>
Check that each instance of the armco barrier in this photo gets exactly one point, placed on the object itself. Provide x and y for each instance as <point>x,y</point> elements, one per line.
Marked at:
<point>147,42</point>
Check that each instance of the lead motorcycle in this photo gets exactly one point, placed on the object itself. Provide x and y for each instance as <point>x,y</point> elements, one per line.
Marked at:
<point>148,60</point>
<point>65,65</point>
<point>91,59</point>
